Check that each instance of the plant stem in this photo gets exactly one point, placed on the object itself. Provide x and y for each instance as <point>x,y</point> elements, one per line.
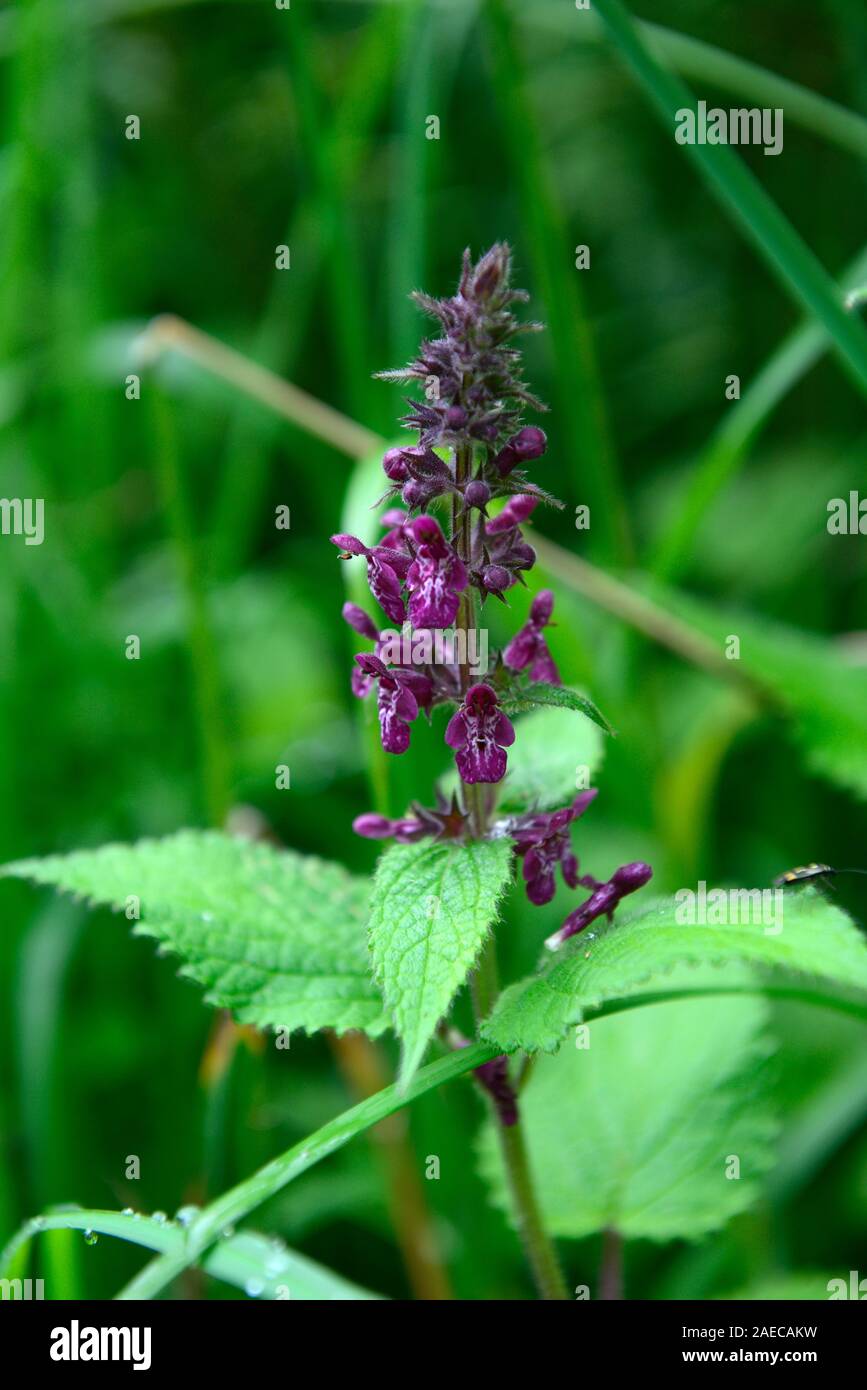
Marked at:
<point>611,1268</point>
<point>363,1065</point>
<point>538,1248</point>
<point>484,983</point>
<point>232,1206</point>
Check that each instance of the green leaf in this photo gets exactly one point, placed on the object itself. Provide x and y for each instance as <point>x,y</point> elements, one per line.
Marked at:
<point>432,907</point>
<point>634,1130</point>
<point>550,747</point>
<point>554,696</point>
<point>276,937</point>
<point>825,696</point>
<point>819,954</point>
<point>261,1266</point>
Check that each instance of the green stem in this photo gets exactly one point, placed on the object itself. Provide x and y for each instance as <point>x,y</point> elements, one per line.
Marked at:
<point>484,984</point>
<point>538,1248</point>
<point>239,1201</point>
<point>215,753</point>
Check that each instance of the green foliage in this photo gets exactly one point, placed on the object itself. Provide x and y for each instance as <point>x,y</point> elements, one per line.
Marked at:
<point>433,906</point>
<point>632,1131</point>
<point>261,1266</point>
<point>557,697</point>
<point>550,747</point>
<point>819,953</point>
<point>276,937</point>
<point>811,681</point>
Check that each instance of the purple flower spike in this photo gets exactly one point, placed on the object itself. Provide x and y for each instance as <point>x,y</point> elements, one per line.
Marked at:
<point>602,901</point>
<point>436,577</point>
<point>479,732</point>
<point>529,648</point>
<point>543,842</point>
<point>397,701</point>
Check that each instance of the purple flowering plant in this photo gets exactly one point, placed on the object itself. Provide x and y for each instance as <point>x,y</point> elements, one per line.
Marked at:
<point>459,498</point>
<point>426,573</point>
<point>285,942</point>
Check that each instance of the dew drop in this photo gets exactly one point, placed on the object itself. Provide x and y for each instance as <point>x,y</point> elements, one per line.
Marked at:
<point>127,1211</point>
<point>185,1215</point>
<point>159,1217</point>
<point>90,1237</point>
<point>227,1232</point>
<point>254,1287</point>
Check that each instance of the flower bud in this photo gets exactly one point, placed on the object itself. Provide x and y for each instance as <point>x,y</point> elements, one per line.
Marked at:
<point>394,466</point>
<point>477,493</point>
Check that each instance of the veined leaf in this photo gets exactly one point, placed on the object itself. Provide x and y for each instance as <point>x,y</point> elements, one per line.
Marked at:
<point>637,1129</point>
<point>433,905</point>
<point>819,952</point>
<point>557,697</point>
<point>276,937</point>
<point>553,756</point>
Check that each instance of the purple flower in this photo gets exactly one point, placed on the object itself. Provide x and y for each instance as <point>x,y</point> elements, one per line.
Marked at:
<point>528,443</point>
<point>602,901</point>
<point>374,827</point>
<point>436,577</point>
<point>445,821</point>
<point>385,567</point>
<point>477,494</point>
<point>529,648</point>
<point>516,510</point>
<point>401,693</point>
<point>480,733</point>
<point>543,842</point>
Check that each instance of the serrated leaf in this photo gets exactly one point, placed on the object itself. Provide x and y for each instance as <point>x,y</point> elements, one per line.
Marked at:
<point>433,905</point>
<point>276,937</point>
<point>635,1132</point>
<point>541,694</point>
<point>550,747</point>
<point>819,948</point>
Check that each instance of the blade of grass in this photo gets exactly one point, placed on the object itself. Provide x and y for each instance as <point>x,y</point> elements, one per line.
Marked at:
<point>593,466</point>
<point>283,326</point>
<point>344,278</point>
<point>705,62</point>
<point>722,459</point>
<point>247,1261</point>
<point>167,333</point>
<point>431,47</point>
<point>206,1228</point>
<point>743,197</point>
<point>215,754</point>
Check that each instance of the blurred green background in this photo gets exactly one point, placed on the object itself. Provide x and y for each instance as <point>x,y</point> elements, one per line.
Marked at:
<point>306,128</point>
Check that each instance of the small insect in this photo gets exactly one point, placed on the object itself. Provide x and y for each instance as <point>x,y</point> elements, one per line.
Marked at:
<point>807,873</point>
